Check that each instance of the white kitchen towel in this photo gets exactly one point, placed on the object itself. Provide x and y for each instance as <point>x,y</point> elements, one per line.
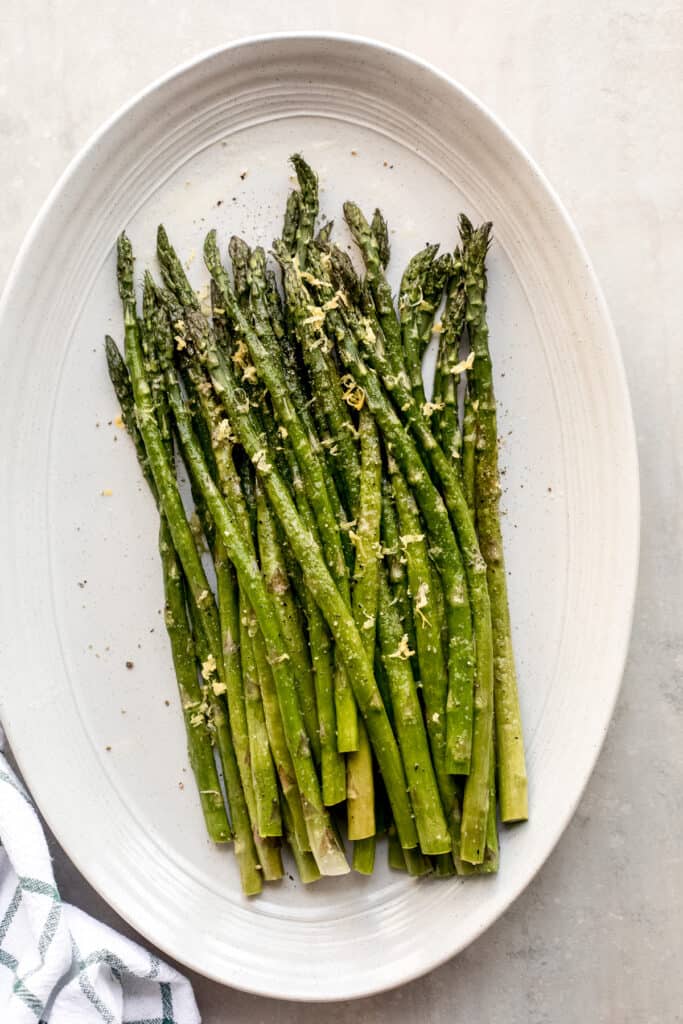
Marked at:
<point>57,964</point>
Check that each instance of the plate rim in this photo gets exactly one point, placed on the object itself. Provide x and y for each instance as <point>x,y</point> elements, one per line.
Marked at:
<point>629,453</point>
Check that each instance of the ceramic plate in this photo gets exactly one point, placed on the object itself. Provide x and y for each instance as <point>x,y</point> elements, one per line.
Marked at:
<point>101,744</point>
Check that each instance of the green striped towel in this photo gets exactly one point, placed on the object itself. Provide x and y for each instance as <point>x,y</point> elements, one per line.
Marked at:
<point>57,964</point>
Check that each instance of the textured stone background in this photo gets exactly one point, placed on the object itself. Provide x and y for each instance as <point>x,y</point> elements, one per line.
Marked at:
<point>595,93</point>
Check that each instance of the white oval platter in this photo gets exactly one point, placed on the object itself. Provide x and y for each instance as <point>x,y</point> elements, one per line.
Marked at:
<point>101,746</point>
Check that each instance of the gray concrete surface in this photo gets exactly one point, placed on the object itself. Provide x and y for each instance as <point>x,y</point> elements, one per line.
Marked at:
<point>595,93</point>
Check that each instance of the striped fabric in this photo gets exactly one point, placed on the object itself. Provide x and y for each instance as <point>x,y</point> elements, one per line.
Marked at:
<point>57,964</point>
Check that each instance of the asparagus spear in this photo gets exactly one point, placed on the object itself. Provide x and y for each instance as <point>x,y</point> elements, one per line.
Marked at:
<point>360,788</point>
<point>292,809</point>
<point>430,656</point>
<point>348,737</point>
<point>432,292</point>
<point>491,860</point>
<point>332,764</point>
<point>448,364</point>
<point>511,762</point>
<point>228,604</point>
<point>305,861</point>
<point>308,207</point>
<point>257,858</point>
<point>324,383</point>
<point>200,748</point>
<point>275,573</point>
<point>291,221</point>
<point>429,817</point>
<point>240,255</point>
<point>395,563</point>
<point>268,818</point>
<point>411,298</point>
<point>374,246</point>
<point>469,445</point>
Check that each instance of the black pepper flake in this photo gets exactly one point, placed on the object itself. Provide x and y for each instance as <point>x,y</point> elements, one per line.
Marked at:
<point>129,665</point>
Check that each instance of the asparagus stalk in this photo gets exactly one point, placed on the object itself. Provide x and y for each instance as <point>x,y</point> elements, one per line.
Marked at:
<point>199,742</point>
<point>308,207</point>
<point>304,860</point>
<point>291,221</point>
<point>491,861</point>
<point>257,858</point>
<point>395,563</point>
<point>411,299</point>
<point>448,363</point>
<point>228,604</point>
<point>268,818</point>
<point>324,384</point>
<point>275,573</point>
<point>360,788</point>
<point>432,666</point>
<point>395,851</point>
<point>240,255</point>
<point>348,737</point>
<point>511,761</point>
<point>429,817</point>
<point>278,744</point>
<point>374,246</point>
<point>332,765</point>
<point>432,292</point>
<point>469,444</point>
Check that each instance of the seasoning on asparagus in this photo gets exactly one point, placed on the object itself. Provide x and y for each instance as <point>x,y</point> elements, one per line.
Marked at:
<point>354,635</point>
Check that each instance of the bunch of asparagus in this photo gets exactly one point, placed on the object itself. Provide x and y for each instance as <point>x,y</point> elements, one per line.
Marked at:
<point>353,663</point>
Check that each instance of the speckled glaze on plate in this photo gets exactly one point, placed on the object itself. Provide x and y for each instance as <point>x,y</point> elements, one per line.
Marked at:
<point>101,745</point>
